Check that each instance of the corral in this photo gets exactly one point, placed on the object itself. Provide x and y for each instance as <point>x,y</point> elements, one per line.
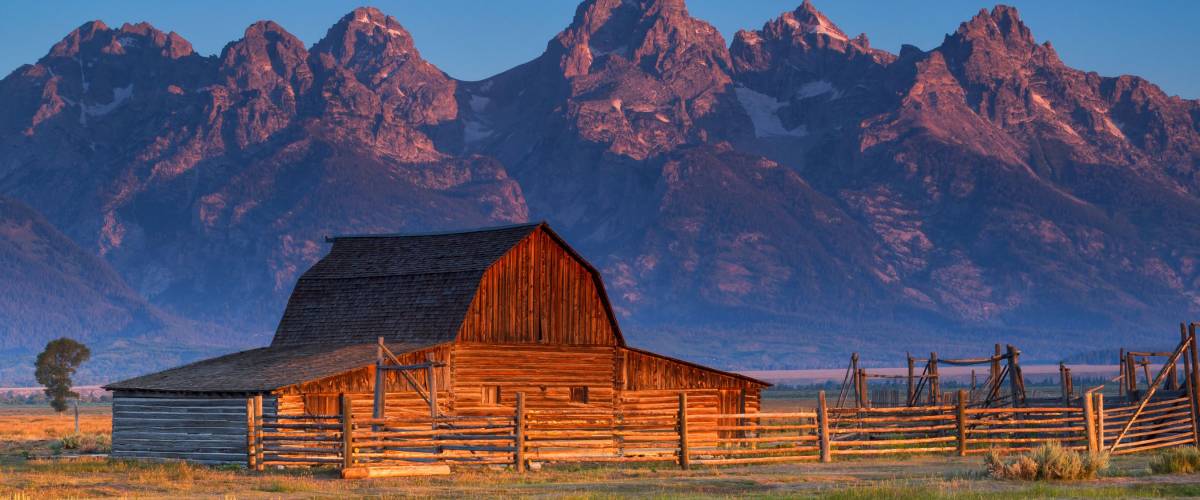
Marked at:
<point>406,354</point>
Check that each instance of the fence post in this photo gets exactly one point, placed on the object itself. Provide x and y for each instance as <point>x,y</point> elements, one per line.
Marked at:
<point>519,440</point>
<point>251,453</point>
<point>1195,379</point>
<point>823,427</point>
<point>685,462</point>
<point>1099,409</point>
<point>962,422</point>
<point>1089,420</point>
<point>347,432</point>
<point>258,432</point>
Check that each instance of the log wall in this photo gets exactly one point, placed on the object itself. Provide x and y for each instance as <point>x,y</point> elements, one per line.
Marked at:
<point>203,429</point>
<point>320,397</point>
<point>545,373</point>
<point>538,293</point>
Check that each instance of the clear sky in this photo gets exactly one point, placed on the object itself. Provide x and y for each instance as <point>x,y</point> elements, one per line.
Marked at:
<point>474,39</point>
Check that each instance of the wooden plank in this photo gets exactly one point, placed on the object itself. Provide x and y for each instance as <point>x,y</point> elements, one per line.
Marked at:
<point>372,472</point>
<point>519,434</point>
<point>684,459</point>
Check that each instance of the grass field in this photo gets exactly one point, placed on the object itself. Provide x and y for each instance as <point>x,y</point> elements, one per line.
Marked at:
<point>29,468</point>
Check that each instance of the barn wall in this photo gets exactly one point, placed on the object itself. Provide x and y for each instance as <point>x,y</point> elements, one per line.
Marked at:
<point>538,293</point>
<point>641,371</point>
<point>545,374</point>
<point>321,396</point>
<point>180,426</point>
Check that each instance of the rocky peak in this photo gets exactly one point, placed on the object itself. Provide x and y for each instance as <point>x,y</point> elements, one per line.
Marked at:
<point>807,19</point>
<point>367,42</point>
<point>993,45</point>
<point>95,37</point>
<point>266,52</point>
<point>656,34</point>
<point>1003,23</point>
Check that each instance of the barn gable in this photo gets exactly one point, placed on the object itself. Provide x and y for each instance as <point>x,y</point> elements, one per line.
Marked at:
<point>435,288</point>
<point>541,292</point>
<point>407,288</point>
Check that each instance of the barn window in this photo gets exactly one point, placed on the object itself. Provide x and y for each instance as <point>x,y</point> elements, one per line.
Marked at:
<point>491,395</point>
<point>579,395</point>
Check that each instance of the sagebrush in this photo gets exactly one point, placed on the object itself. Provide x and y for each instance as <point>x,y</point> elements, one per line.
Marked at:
<point>1183,460</point>
<point>1050,461</point>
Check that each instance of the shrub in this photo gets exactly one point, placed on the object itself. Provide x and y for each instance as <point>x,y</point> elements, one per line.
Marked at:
<point>83,443</point>
<point>1049,461</point>
<point>1183,460</point>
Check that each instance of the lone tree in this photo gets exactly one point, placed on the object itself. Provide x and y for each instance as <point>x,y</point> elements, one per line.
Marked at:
<point>56,365</point>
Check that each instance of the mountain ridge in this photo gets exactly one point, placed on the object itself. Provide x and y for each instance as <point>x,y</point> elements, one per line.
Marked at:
<point>794,182</point>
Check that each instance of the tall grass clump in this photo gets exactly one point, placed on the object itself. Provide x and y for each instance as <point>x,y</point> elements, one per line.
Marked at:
<point>1050,461</point>
<point>1182,460</point>
<point>83,443</point>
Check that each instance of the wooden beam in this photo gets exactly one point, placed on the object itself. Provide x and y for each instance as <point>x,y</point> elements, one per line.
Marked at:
<point>347,414</point>
<point>823,427</point>
<point>1089,425</point>
<point>380,382</point>
<point>961,417</point>
<point>431,385</point>
<point>935,385</point>
<point>258,432</point>
<point>1195,379</point>
<point>909,400</point>
<point>684,454</point>
<point>519,431</point>
<point>1098,407</point>
<point>251,453</point>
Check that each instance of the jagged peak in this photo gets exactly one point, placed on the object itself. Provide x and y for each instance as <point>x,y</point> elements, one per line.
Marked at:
<point>634,29</point>
<point>807,19</point>
<point>260,40</point>
<point>1003,22</point>
<point>171,44</point>
<point>383,32</point>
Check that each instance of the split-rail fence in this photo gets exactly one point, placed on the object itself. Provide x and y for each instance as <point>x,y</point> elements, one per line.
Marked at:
<point>420,444</point>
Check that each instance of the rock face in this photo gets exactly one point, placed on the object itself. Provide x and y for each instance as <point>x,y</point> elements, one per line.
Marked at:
<point>797,187</point>
<point>210,182</point>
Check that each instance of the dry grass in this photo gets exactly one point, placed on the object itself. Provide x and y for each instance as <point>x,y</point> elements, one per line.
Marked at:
<point>33,430</point>
<point>1049,461</point>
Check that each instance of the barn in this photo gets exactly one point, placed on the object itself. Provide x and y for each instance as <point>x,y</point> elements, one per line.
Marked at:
<point>479,315</point>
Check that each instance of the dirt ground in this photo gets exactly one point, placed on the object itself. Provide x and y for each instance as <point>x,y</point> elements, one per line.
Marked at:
<point>29,468</point>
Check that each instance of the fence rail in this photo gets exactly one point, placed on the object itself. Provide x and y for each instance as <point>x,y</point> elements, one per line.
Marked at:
<point>676,436</point>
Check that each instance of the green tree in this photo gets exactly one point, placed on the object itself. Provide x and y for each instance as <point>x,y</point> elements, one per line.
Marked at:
<point>56,365</point>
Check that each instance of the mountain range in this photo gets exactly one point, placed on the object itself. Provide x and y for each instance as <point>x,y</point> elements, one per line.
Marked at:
<point>775,201</point>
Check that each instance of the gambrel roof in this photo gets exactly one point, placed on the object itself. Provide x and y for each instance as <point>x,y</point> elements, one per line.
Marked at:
<point>413,289</point>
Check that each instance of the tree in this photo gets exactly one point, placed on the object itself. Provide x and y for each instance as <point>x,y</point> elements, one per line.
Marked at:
<point>56,365</point>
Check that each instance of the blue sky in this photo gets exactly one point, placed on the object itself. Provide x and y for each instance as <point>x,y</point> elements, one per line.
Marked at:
<point>473,39</point>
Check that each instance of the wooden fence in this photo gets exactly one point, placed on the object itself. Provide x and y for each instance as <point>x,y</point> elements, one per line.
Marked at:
<point>421,444</point>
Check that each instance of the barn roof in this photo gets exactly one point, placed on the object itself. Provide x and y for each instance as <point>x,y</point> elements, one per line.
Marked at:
<point>404,287</point>
<point>263,369</point>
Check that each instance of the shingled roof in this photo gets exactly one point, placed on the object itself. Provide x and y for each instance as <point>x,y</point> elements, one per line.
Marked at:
<point>406,288</point>
<point>263,369</point>
<point>413,290</point>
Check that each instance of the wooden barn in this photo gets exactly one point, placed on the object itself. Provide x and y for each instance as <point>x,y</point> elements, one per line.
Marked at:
<point>476,316</point>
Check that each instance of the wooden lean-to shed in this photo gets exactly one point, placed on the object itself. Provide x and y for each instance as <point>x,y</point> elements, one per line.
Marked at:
<point>492,312</point>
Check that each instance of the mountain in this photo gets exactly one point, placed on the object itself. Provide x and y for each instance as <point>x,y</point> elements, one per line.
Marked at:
<point>52,288</point>
<point>209,182</point>
<point>777,201</point>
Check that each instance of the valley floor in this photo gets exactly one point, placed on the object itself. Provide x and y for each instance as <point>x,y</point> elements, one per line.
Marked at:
<point>29,468</point>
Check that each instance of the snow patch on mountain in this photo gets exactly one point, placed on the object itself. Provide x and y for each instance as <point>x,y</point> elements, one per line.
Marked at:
<point>763,111</point>
<point>819,87</point>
